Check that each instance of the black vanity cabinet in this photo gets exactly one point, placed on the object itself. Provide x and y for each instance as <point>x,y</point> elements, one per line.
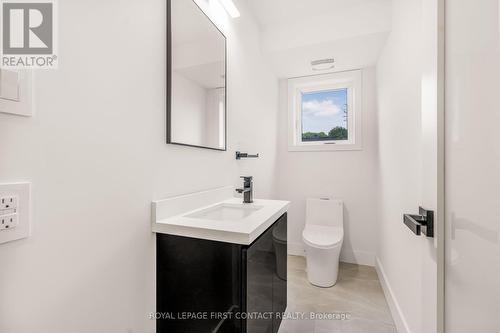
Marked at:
<point>215,287</point>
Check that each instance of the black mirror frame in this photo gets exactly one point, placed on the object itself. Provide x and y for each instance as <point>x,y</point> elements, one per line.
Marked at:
<point>169,81</point>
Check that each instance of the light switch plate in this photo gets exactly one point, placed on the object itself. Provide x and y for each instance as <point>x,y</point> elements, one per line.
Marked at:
<point>21,214</point>
<point>16,92</point>
<point>9,84</point>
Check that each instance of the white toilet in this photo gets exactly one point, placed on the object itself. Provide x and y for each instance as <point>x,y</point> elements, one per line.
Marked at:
<point>323,236</point>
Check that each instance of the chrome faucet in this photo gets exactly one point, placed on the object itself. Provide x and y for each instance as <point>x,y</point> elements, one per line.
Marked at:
<point>247,189</point>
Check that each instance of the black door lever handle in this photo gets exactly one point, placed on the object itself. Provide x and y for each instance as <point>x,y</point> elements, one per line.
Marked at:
<point>422,223</point>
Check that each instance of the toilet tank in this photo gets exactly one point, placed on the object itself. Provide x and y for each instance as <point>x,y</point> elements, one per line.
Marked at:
<point>326,212</point>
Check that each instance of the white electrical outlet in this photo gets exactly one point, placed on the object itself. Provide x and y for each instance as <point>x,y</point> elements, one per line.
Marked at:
<point>15,211</point>
<point>8,202</point>
<point>8,222</point>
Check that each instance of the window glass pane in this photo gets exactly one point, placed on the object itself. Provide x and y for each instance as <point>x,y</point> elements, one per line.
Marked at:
<point>324,115</point>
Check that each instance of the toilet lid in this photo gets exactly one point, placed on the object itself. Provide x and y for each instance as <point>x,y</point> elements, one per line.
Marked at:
<point>322,236</point>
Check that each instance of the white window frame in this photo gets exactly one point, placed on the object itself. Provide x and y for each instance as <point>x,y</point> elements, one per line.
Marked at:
<point>352,80</point>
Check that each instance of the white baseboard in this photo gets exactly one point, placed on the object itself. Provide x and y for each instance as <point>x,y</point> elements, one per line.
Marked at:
<point>397,314</point>
<point>296,249</point>
<point>358,257</point>
<point>353,257</point>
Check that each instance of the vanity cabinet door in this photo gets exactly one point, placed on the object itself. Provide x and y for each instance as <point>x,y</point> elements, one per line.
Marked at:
<point>260,266</point>
<point>280,271</point>
<point>197,277</point>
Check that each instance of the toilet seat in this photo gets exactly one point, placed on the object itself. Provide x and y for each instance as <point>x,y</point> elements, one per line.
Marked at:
<point>322,237</point>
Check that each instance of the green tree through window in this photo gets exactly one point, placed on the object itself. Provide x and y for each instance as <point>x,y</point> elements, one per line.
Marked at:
<point>338,133</point>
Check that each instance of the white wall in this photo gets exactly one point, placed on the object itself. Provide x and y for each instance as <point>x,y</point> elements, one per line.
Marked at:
<point>95,153</point>
<point>347,175</point>
<point>197,113</point>
<point>293,24</point>
<point>214,117</point>
<point>363,19</point>
<point>295,32</point>
<point>472,164</point>
<point>189,111</point>
<point>349,54</point>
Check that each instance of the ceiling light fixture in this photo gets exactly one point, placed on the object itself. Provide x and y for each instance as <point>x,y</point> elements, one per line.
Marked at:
<point>230,8</point>
<point>322,64</point>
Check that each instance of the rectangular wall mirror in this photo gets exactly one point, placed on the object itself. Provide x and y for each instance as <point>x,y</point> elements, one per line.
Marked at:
<point>196,78</point>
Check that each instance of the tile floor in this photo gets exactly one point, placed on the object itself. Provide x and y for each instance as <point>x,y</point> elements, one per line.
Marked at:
<point>357,295</point>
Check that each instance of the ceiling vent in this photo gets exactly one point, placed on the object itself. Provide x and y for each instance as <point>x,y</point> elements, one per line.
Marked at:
<point>323,64</point>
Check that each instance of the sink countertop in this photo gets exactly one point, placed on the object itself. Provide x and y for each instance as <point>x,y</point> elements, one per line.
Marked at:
<point>241,231</point>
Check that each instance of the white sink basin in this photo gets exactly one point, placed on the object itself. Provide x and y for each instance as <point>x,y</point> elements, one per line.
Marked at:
<point>216,215</point>
<point>225,212</point>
